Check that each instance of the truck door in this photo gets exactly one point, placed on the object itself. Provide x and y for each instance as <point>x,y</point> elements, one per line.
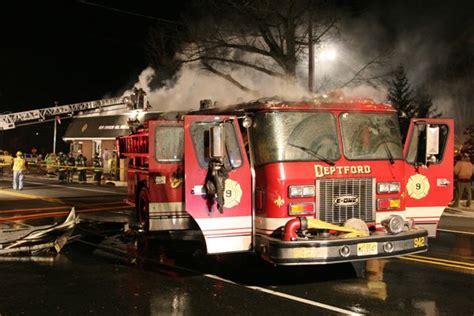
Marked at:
<point>227,228</point>
<point>166,176</point>
<point>429,151</point>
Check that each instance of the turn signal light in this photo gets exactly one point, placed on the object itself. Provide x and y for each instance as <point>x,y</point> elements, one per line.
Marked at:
<point>388,204</point>
<point>305,208</point>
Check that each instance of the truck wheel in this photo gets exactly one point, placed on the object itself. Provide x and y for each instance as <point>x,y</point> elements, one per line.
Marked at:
<point>143,215</point>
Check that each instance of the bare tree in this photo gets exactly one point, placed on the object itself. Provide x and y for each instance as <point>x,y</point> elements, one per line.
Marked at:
<point>266,36</point>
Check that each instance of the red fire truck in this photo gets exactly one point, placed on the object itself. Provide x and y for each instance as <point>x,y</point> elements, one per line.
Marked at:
<point>309,182</point>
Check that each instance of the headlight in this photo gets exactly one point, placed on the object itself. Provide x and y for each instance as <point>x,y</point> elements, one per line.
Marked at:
<point>301,191</point>
<point>393,224</point>
<point>388,187</point>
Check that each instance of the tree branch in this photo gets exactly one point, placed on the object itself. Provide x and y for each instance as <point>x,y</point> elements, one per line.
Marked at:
<point>245,64</point>
<point>358,73</point>
<point>227,77</point>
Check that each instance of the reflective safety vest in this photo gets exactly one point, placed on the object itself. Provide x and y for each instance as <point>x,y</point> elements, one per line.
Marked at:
<point>19,164</point>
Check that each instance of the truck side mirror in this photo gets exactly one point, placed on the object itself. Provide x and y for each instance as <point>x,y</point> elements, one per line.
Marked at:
<point>432,140</point>
<point>428,144</point>
<point>217,142</point>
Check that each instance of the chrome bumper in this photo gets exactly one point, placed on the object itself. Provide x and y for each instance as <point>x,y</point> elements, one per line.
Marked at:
<point>326,251</point>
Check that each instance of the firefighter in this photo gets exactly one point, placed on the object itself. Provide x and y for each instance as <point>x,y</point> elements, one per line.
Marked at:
<point>98,167</point>
<point>71,167</point>
<point>62,163</point>
<point>81,167</point>
<point>18,166</point>
<point>51,161</point>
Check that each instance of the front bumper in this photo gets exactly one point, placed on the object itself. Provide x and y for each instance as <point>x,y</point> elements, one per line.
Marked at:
<point>326,251</point>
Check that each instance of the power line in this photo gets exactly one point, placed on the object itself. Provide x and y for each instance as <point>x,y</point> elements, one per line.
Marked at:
<point>93,4</point>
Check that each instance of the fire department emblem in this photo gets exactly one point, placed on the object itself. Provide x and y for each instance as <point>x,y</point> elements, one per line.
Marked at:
<point>418,186</point>
<point>232,193</point>
<point>279,201</point>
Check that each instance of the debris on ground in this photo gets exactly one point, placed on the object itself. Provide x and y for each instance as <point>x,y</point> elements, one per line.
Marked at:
<point>32,240</point>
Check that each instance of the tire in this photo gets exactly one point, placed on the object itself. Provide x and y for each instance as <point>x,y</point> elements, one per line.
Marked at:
<point>143,212</point>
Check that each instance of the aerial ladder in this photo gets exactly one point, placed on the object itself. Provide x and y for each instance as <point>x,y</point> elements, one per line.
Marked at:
<point>135,101</point>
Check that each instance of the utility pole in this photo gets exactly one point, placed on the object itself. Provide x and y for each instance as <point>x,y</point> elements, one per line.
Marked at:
<point>55,130</point>
<point>310,55</point>
<point>54,135</point>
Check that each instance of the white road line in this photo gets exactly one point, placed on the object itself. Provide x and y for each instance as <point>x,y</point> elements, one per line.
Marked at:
<point>71,188</point>
<point>455,231</point>
<point>288,296</point>
<point>255,288</point>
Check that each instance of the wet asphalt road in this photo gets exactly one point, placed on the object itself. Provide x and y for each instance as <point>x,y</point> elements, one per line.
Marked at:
<point>110,272</point>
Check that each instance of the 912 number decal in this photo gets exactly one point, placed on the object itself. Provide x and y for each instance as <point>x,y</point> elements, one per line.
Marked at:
<point>419,242</point>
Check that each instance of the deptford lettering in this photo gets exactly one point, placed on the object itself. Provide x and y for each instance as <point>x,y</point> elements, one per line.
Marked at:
<point>322,171</point>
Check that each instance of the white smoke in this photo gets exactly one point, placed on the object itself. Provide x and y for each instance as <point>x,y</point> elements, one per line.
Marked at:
<point>144,80</point>
<point>192,84</point>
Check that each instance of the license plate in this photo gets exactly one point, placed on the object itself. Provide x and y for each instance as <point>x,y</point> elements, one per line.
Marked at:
<point>367,249</point>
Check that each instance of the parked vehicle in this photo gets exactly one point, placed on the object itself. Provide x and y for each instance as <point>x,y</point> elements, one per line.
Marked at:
<point>5,157</point>
<point>31,159</point>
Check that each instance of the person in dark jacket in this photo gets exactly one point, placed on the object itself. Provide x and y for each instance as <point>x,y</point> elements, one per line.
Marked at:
<point>71,167</point>
<point>81,167</point>
<point>98,168</point>
<point>62,167</point>
<point>463,171</point>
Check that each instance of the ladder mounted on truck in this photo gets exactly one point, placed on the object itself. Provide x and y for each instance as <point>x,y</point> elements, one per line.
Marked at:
<point>136,101</point>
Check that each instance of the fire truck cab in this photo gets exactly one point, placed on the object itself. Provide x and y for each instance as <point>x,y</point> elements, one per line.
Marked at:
<point>306,182</point>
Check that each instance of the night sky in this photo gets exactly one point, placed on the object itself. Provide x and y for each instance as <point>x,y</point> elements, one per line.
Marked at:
<point>71,51</point>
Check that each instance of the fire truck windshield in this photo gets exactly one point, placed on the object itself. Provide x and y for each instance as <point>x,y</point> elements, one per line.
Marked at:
<point>371,136</point>
<point>295,136</point>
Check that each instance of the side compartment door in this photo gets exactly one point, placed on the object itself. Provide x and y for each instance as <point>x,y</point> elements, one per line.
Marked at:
<point>429,151</point>
<point>229,228</point>
<point>166,176</point>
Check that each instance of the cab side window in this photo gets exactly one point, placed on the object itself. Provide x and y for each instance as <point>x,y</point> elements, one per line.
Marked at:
<point>417,149</point>
<point>200,136</point>
<point>169,143</point>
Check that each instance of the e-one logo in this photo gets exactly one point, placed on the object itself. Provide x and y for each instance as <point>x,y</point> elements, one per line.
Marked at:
<point>346,200</point>
<point>322,171</point>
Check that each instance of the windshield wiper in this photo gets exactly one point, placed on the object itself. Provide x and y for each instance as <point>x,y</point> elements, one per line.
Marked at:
<point>389,153</point>
<point>313,153</point>
<point>385,145</point>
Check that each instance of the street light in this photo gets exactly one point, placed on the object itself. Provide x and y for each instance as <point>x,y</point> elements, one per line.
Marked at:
<point>328,54</point>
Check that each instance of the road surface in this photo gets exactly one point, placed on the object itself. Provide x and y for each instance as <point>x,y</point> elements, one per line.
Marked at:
<point>111,270</point>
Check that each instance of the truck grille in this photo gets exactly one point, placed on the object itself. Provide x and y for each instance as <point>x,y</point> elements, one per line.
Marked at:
<point>337,200</point>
